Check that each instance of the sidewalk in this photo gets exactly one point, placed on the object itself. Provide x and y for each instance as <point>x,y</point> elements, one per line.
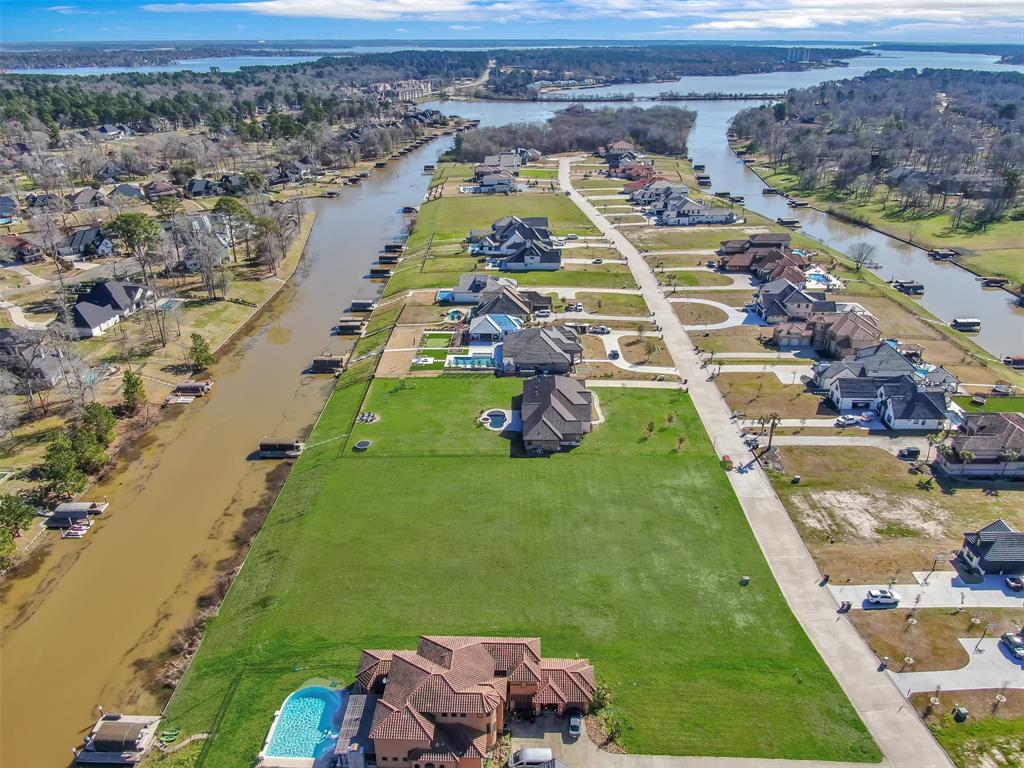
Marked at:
<point>896,728</point>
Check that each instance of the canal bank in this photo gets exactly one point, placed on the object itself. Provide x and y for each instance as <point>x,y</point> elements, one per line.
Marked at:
<point>90,622</point>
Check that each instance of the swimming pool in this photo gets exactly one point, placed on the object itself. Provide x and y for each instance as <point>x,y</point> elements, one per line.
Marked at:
<point>473,361</point>
<point>818,278</point>
<point>307,725</point>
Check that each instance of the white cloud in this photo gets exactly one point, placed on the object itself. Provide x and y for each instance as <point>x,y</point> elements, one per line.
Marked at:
<point>691,16</point>
<point>74,10</point>
<point>463,27</point>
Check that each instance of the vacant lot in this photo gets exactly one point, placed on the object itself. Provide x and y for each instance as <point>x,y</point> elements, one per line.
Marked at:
<point>757,394</point>
<point>613,304</point>
<point>867,516</point>
<point>605,552</point>
<point>698,314</point>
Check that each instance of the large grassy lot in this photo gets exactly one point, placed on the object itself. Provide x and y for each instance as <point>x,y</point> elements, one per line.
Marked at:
<point>628,550</point>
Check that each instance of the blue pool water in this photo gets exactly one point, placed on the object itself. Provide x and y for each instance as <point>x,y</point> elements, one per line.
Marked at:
<point>474,361</point>
<point>307,726</point>
<point>814,277</point>
<point>497,419</point>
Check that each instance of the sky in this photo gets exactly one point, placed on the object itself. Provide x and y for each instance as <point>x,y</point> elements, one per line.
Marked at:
<point>964,21</point>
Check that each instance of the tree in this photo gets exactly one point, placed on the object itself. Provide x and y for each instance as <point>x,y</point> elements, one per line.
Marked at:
<point>967,456</point>
<point>199,353</point>
<point>934,439</point>
<point>59,470</point>
<point>133,392</point>
<point>16,514</point>
<point>99,422</point>
<point>1008,455</point>
<point>649,348</point>
<point>237,218</point>
<point>861,253</point>
<point>139,234</point>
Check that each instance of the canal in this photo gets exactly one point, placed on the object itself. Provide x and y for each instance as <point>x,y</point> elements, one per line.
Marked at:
<point>85,623</point>
<point>950,291</point>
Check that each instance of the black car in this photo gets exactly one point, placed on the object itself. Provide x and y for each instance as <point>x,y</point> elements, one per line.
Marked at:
<point>1016,583</point>
<point>909,454</point>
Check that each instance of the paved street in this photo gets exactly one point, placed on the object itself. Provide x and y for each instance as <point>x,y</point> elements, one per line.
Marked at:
<point>900,734</point>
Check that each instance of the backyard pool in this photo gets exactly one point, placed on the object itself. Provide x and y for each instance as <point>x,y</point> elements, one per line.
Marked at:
<point>473,361</point>
<point>307,726</point>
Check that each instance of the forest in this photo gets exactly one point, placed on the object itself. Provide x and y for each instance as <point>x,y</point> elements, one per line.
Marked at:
<point>934,140</point>
<point>516,69</point>
<point>659,129</point>
<point>323,90</point>
<point>54,58</point>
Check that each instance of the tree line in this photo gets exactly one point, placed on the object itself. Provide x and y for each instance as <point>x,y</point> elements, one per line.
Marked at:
<point>934,140</point>
<point>659,129</point>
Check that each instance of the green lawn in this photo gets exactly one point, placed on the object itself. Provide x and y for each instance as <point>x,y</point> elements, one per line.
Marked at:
<point>992,405</point>
<point>451,217</point>
<point>628,550</point>
<point>538,173</point>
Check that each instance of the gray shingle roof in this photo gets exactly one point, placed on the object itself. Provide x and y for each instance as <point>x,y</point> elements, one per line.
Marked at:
<point>555,408</point>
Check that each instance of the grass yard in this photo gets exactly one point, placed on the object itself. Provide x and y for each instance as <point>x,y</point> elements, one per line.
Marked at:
<point>866,516</point>
<point>452,217</point>
<point>698,314</point>
<point>757,394</point>
<point>612,304</point>
<point>994,735</point>
<point>628,550</point>
<point>538,173</point>
<point>992,405</point>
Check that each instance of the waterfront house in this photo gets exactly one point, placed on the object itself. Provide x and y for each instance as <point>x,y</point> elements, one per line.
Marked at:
<point>505,161</point>
<point>905,404</point>
<point>881,361</point>
<point>551,349</point>
<point>106,303</point>
<point>493,328</point>
<point>472,286</point>
<point>687,212</point>
<point>444,704</point>
<point>35,364</point>
<point>995,443</point>
<point>508,233</point>
<point>995,549</point>
<point>496,184</point>
<point>556,413</point>
<point>45,202</point>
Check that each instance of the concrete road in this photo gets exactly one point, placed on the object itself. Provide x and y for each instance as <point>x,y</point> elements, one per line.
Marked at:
<point>941,589</point>
<point>896,728</point>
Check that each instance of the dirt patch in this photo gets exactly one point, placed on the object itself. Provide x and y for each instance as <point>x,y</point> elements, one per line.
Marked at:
<point>869,514</point>
<point>395,363</point>
<point>648,350</point>
<point>404,337</point>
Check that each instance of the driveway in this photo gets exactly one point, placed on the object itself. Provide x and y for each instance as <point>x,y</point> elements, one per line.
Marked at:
<point>734,317</point>
<point>891,444</point>
<point>786,373</point>
<point>896,728</point>
<point>550,731</point>
<point>941,589</point>
<point>990,666</point>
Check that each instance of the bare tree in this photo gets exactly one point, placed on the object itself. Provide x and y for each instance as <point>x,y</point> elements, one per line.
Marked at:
<point>862,254</point>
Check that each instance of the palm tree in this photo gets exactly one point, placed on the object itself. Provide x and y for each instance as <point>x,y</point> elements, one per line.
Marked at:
<point>1007,455</point>
<point>934,439</point>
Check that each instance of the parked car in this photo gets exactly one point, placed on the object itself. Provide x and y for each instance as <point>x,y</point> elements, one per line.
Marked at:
<point>597,261</point>
<point>1014,644</point>
<point>909,454</point>
<point>557,242</point>
<point>883,597</point>
<point>601,330</point>
<point>846,421</point>
<point>575,725</point>
<point>572,236</point>
<point>543,313</point>
<point>1016,583</point>
<point>530,756</point>
<point>613,355</point>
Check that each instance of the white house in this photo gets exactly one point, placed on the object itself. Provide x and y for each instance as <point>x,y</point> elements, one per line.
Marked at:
<point>493,328</point>
<point>687,212</point>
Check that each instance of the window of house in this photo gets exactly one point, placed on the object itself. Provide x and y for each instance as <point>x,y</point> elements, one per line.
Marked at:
<point>462,715</point>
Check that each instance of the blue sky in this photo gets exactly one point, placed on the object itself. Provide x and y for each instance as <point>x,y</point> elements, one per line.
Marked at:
<point>906,20</point>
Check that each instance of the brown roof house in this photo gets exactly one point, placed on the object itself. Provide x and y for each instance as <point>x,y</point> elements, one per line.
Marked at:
<point>443,705</point>
<point>556,413</point>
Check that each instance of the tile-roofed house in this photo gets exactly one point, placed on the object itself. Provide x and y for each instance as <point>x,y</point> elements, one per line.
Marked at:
<point>996,441</point>
<point>552,349</point>
<point>995,549</point>
<point>556,413</point>
<point>445,703</point>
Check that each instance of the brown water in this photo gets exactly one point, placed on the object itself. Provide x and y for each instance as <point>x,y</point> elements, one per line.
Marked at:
<point>87,622</point>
